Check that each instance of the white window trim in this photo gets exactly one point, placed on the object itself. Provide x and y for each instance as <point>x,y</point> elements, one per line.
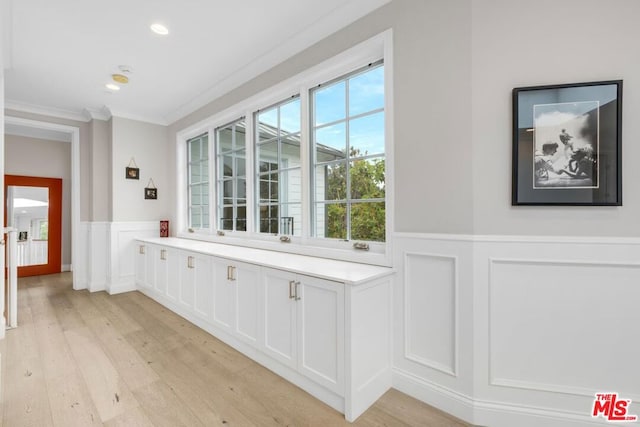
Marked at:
<point>380,253</point>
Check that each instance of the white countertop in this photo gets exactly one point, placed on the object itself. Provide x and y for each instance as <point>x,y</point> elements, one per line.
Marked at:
<point>350,273</point>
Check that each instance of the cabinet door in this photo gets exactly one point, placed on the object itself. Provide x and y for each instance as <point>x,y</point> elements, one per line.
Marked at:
<point>172,265</point>
<point>279,316</point>
<point>141,264</point>
<point>150,266</point>
<point>223,295</point>
<point>203,287</point>
<point>247,296</point>
<point>162,269</point>
<point>320,323</point>
<point>187,263</point>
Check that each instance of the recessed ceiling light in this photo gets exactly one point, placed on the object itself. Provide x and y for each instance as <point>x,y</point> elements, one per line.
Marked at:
<point>112,86</point>
<point>159,29</point>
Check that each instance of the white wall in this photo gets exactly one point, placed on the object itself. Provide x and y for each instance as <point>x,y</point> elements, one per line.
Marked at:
<point>47,159</point>
<point>520,43</point>
<point>101,200</point>
<point>147,144</point>
<point>432,101</point>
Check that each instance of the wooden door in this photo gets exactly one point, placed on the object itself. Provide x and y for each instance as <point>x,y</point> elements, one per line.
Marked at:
<point>54,219</point>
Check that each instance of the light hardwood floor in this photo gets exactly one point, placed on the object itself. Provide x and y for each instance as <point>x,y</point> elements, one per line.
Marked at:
<point>83,359</point>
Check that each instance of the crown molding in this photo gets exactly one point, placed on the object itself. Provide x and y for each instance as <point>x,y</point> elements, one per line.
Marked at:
<point>45,111</point>
<point>103,114</point>
<point>137,117</point>
<point>323,27</point>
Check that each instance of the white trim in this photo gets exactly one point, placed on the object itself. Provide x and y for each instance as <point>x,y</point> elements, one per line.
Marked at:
<point>75,180</point>
<point>478,238</point>
<point>103,114</point>
<point>449,370</point>
<point>136,117</point>
<point>46,111</point>
<point>483,412</point>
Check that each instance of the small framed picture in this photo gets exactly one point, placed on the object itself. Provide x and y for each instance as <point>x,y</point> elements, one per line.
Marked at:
<point>567,144</point>
<point>151,193</point>
<point>132,173</point>
<point>22,236</point>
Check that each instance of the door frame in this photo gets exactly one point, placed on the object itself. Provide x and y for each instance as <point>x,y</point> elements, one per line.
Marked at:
<point>74,133</point>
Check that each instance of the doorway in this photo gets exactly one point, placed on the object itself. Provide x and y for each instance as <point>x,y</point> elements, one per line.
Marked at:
<point>34,208</point>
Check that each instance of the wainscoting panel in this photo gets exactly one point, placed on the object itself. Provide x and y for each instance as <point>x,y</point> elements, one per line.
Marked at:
<point>430,306</point>
<point>553,323</point>
<point>123,234</point>
<point>98,256</point>
<point>516,330</point>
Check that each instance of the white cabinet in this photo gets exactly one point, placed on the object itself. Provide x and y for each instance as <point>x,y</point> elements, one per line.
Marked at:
<point>145,269</point>
<point>167,272</point>
<point>236,296</point>
<point>196,290</point>
<point>279,307</point>
<point>141,264</point>
<point>327,331</point>
<point>304,325</point>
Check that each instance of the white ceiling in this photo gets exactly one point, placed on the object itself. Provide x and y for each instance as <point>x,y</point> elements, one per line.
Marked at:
<point>60,54</point>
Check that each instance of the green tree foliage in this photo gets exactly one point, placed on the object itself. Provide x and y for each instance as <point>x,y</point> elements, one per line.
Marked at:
<point>367,182</point>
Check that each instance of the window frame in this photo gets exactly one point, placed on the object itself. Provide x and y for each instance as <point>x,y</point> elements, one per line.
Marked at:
<point>280,171</point>
<point>190,184</point>
<point>377,48</point>
<point>348,200</point>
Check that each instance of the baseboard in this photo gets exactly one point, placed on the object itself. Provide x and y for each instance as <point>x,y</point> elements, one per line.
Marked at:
<point>65,267</point>
<point>455,403</point>
<point>119,288</point>
<point>96,287</point>
<point>486,413</point>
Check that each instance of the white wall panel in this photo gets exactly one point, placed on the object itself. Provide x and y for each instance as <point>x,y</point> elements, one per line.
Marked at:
<point>563,326</point>
<point>430,310</point>
<point>122,245</point>
<point>542,325</point>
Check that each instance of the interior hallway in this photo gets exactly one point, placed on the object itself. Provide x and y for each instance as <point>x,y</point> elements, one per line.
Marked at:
<point>83,359</point>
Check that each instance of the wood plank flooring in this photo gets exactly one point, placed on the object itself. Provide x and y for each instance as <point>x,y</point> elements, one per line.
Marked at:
<point>82,359</point>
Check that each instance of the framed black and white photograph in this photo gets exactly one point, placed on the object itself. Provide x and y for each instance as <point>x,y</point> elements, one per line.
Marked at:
<point>567,144</point>
<point>151,193</point>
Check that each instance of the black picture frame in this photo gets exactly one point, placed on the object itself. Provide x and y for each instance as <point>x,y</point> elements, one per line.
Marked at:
<point>567,144</point>
<point>132,173</point>
<point>151,193</point>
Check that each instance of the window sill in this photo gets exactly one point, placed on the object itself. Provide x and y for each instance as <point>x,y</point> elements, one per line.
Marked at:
<point>342,251</point>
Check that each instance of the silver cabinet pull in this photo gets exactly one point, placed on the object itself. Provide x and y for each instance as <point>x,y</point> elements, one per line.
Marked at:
<point>163,254</point>
<point>141,249</point>
<point>231,273</point>
<point>292,290</point>
<point>190,262</point>
<point>297,298</point>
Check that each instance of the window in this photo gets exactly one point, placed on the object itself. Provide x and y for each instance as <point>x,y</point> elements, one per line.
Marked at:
<point>278,168</point>
<point>307,158</point>
<point>348,173</point>
<point>232,177</point>
<point>198,173</point>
